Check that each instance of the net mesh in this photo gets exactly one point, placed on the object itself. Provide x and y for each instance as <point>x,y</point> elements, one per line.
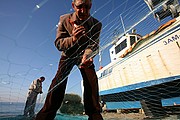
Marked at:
<point>27,52</point>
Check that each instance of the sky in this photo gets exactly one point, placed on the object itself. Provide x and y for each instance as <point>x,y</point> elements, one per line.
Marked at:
<point>27,34</point>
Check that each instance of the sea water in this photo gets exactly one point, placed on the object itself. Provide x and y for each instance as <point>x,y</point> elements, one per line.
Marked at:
<point>11,108</point>
<point>14,111</point>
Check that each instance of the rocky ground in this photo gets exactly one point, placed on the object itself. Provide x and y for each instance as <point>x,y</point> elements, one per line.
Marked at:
<point>173,113</point>
<point>120,116</point>
<point>135,116</point>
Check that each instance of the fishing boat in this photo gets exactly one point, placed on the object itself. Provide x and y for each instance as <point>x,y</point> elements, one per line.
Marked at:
<point>144,70</point>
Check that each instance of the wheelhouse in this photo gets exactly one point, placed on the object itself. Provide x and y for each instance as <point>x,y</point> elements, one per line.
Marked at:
<point>123,44</point>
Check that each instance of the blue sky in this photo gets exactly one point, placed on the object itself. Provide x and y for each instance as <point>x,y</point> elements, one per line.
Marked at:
<point>27,34</point>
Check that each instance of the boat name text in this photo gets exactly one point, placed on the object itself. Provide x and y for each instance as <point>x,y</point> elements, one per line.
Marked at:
<point>172,39</point>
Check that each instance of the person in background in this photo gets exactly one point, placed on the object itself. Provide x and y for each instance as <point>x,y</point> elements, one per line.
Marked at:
<point>78,40</point>
<point>34,89</point>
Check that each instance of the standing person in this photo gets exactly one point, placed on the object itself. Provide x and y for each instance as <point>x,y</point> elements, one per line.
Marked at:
<point>34,89</point>
<point>78,39</point>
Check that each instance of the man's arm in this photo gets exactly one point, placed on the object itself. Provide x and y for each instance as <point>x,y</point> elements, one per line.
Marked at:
<point>64,40</point>
<point>93,48</point>
<point>34,84</point>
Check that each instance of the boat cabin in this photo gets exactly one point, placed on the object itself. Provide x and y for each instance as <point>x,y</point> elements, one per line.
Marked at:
<point>123,44</point>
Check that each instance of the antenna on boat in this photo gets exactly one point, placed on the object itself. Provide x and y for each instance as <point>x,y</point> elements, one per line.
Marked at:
<point>122,24</point>
<point>100,61</point>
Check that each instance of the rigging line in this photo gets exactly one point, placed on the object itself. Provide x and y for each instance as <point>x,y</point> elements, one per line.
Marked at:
<point>110,43</point>
<point>140,9</point>
<point>101,7</point>
<point>117,16</point>
<point>110,29</point>
<point>65,4</point>
<point>94,13</point>
<point>125,5</point>
<point>111,10</point>
<point>111,13</point>
<point>111,35</point>
<point>131,8</point>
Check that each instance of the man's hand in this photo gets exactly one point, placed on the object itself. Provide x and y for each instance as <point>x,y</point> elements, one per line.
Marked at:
<point>85,62</point>
<point>77,32</point>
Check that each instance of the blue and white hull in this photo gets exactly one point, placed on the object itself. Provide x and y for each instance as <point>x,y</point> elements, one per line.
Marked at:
<point>150,69</point>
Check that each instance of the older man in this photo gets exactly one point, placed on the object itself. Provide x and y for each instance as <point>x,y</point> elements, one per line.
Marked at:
<point>78,40</point>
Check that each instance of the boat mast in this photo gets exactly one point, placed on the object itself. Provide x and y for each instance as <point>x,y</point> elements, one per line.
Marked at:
<point>123,24</point>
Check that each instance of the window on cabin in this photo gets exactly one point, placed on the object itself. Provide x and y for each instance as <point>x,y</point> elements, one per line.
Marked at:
<point>105,72</point>
<point>138,38</point>
<point>110,70</point>
<point>132,40</point>
<point>121,46</point>
<point>101,75</point>
<point>112,52</point>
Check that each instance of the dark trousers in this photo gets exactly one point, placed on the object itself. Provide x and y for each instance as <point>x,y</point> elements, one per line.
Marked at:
<point>57,90</point>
